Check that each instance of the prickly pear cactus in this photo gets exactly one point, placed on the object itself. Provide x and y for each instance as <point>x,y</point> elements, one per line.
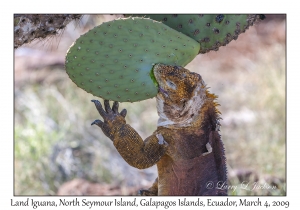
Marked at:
<point>211,31</point>
<point>114,60</point>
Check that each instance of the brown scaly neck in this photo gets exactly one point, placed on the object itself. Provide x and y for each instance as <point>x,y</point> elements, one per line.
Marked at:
<point>193,115</point>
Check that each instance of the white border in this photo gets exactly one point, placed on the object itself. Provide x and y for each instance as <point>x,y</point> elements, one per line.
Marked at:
<point>113,7</point>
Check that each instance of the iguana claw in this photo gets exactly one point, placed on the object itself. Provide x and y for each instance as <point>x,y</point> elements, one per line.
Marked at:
<point>111,117</point>
<point>95,122</point>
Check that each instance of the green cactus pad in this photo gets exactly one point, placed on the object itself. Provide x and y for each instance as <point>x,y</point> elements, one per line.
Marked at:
<point>114,60</point>
<point>211,31</point>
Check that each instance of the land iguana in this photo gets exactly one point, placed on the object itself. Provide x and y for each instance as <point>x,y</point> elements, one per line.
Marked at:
<point>186,146</point>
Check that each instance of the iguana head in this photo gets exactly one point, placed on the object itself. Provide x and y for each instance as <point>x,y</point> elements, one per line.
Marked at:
<point>180,97</point>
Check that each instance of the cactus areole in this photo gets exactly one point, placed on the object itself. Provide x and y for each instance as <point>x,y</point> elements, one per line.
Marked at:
<point>114,60</point>
<point>210,30</point>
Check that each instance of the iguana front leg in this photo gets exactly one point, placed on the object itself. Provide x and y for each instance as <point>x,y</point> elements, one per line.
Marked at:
<point>136,152</point>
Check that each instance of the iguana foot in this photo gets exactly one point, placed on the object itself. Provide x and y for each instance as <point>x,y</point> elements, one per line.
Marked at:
<point>152,191</point>
<point>146,193</point>
<point>111,117</point>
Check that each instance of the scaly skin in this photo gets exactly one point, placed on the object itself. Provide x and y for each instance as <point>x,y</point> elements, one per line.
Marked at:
<point>186,146</point>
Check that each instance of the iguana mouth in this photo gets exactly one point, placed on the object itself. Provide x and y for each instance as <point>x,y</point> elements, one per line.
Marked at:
<point>163,91</point>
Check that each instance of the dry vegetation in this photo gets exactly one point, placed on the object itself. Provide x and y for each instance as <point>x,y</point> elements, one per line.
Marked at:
<point>54,142</point>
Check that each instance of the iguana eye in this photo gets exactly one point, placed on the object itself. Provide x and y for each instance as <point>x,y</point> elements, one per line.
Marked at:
<point>171,84</point>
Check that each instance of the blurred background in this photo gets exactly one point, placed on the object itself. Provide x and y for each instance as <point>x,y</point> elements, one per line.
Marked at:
<point>57,151</point>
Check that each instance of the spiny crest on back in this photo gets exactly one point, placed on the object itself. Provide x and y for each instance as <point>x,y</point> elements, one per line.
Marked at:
<point>213,97</point>
<point>212,105</point>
